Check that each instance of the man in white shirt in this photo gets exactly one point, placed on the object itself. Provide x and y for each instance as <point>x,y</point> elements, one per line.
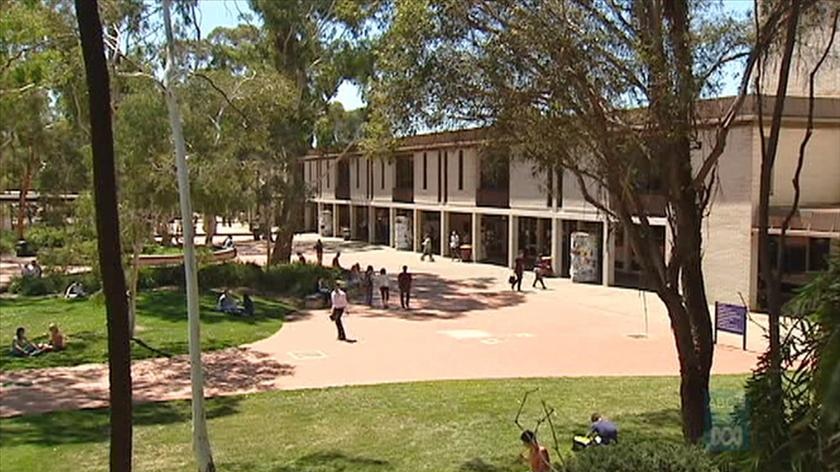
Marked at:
<point>339,304</point>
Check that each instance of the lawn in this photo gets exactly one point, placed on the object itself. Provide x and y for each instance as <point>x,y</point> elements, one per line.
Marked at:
<point>430,426</point>
<point>161,323</point>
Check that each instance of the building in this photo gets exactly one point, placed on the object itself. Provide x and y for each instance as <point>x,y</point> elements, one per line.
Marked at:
<point>437,183</point>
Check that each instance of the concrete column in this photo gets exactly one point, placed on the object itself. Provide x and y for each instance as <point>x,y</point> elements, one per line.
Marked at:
<point>669,242</point>
<point>336,230</point>
<point>556,241</point>
<point>608,255</point>
<point>320,208</point>
<point>444,233</point>
<point>392,230</point>
<point>353,234</point>
<point>371,224</point>
<point>417,229</point>
<point>513,240</point>
<point>475,237</point>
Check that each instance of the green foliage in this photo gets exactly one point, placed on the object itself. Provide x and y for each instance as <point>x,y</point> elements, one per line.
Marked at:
<point>52,284</point>
<point>8,239</point>
<point>804,435</point>
<point>647,456</point>
<point>41,237</point>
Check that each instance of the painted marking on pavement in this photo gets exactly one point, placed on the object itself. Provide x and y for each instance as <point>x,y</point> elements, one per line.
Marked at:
<point>465,333</point>
<point>307,355</point>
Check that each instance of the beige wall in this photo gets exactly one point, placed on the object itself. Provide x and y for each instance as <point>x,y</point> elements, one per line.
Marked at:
<point>466,195</point>
<point>820,179</point>
<point>358,165</point>
<point>528,187</point>
<point>430,193</point>
<point>727,231</point>
<point>573,196</point>
<point>379,193</point>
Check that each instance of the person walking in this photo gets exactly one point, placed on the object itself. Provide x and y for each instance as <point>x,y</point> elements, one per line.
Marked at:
<point>339,306</point>
<point>319,251</point>
<point>367,284</point>
<point>518,272</point>
<point>404,284</point>
<point>539,273</point>
<point>427,249</point>
<point>384,287</point>
<point>454,246</point>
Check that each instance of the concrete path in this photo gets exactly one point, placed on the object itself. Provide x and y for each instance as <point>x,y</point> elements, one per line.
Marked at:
<point>465,323</point>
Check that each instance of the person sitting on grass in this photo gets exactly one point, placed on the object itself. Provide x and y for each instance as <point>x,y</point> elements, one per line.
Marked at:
<point>247,305</point>
<point>228,242</point>
<point>602,431</point>
<point>227,304</point>
<point>301,259</point>
<point>23,347</point>
<point>75,291</point>
<point>58,341</point>
<point>536,455</point>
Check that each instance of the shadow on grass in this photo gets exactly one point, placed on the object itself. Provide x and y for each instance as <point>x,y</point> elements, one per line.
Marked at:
<point>171,305</point>
<point>91,426</point>
<point>479,465</point>
<point>328,461</point>
<point>83,343</point>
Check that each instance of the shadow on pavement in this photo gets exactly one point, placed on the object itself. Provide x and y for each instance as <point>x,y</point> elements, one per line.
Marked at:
<point>433,297</point>
<point>229,371</point>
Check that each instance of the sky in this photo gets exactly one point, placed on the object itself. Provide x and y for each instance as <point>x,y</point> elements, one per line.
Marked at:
<point>215,13</point>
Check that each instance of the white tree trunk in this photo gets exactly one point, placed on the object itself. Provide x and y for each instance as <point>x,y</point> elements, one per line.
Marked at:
<point>136,248</point>
<point>201,441</point>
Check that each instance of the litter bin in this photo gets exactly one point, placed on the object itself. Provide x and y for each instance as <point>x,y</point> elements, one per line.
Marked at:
<point>345,233</point>
<point>466,252</point>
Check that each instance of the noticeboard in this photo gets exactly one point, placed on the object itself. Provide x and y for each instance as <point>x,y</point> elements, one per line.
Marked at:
<point>731,319</point>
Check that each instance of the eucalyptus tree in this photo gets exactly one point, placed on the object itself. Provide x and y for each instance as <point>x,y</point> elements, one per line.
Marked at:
<point>606,90</point>
<point>315,45</point>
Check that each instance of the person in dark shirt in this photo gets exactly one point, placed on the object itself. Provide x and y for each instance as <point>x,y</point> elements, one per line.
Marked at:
<point>404,283</point>
<point>518,272</point>
<point>319,252</point>
<point>604,429</point>
<point>247,305</point>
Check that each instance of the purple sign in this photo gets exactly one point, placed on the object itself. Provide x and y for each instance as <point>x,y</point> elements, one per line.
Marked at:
<point>731,318</point>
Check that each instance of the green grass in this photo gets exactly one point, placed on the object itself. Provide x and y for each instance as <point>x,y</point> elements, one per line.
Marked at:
<point>431,426</point>
<point>161,323</point>
<point>160,250</point>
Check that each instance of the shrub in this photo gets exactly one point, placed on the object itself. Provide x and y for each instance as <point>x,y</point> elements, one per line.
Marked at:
<point>230,275</point>
<point>7,242</point>
<point>647,456</point>
<point>46,237</point>
<point>52,284</point>
<point>295,279</point>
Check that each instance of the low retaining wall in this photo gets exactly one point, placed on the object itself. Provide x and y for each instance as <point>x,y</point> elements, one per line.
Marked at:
<point>152,260</point>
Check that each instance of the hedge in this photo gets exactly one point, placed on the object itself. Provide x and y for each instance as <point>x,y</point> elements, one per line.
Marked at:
<point>645,456</point>
<point>290,279</point>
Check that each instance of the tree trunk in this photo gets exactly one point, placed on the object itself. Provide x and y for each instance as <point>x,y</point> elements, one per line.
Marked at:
<point>136,248</point>
<point>25,184</point>
<point>201,441</point>
<point>209,229</point>
<point>108,231</point>
<point>282,252</point>
<point>165,233</point>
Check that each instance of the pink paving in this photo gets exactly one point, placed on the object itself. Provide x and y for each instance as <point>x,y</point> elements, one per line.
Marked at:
<point>465,323</point>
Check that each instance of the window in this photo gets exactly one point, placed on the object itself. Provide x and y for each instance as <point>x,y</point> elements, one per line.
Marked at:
<point>818,254</point>
<point>550,189</point>
<point>439,179</point>
<point>445,176</point>
<point>358,172</point>
<point>558,186</point>
<point>328,174</point>
<point>382,174</point>
<point>425,177</point>
<point>461,170</point>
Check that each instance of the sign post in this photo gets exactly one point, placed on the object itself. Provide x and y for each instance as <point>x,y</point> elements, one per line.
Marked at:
<point>731,319</point>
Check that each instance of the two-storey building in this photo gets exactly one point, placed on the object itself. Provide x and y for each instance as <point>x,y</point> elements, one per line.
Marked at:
<point>441,182</point>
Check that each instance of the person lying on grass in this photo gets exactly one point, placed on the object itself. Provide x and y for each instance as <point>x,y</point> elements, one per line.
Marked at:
<point>23,347</point>
<point>536,455</point>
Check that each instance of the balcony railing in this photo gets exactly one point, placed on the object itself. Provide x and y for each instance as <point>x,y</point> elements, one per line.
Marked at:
<point>403,194</point>
<point>492,197</point>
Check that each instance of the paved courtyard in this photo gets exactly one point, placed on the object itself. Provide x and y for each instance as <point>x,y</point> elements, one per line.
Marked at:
<point>465,323</point>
